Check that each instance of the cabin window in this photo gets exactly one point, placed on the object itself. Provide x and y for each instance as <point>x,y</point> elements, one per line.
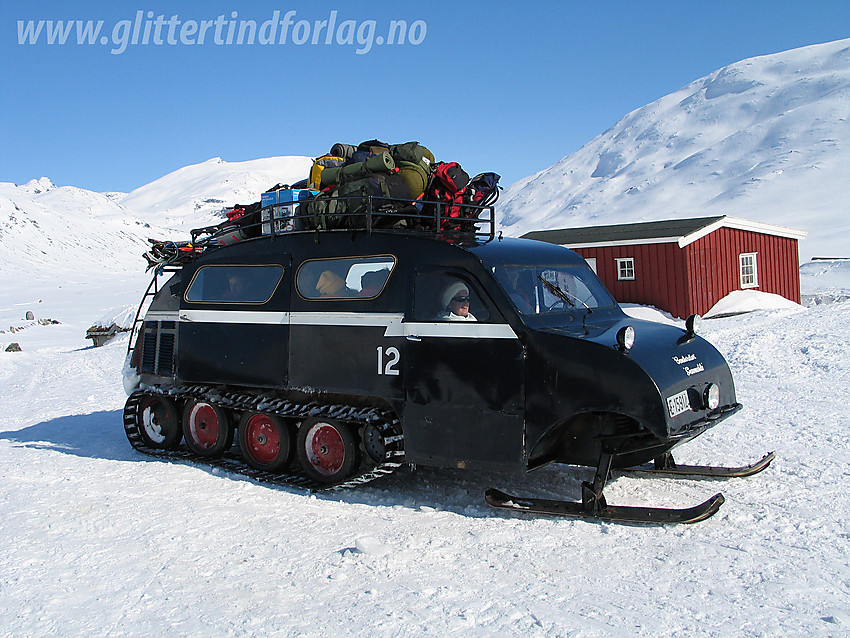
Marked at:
<point>444,296</point>
<point>344,278</point>
<point>591,261</point>
<point>748,269</point>
<point>626,269</point>
<point>234,284</point>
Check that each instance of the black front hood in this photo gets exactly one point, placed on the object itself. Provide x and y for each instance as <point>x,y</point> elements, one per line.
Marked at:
<point>586,371</point>
<point>665,353</point>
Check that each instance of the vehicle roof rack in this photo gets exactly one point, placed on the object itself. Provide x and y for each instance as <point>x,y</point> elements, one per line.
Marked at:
<point>440,220</point>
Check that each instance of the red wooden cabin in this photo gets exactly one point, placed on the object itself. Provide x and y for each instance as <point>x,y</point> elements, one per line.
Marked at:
<point>685,266</point>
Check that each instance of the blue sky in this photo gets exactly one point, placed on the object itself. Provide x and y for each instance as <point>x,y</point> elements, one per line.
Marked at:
<point>504,86</point>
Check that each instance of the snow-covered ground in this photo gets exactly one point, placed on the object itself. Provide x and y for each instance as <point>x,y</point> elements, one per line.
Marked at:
<point>99,540</point>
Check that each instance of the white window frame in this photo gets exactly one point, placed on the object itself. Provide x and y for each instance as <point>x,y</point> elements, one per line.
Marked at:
<point>625,268</point>
<point>748,272</point>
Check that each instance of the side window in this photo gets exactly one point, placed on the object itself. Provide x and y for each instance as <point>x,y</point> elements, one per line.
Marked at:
<point>626,269</point>
<point>234,284</point>
<point>344,278</point>
<point>748,270</point>
<point>441,296</point>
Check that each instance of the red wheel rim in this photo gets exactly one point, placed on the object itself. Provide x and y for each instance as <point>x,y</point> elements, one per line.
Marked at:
<point>325,448</point>
<point>204,426</point>
<point>262,439</point>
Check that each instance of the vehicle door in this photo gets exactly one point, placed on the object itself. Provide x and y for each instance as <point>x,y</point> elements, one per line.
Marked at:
<point>463,377</point>
<point>339,319</point>
<point>234,324</point>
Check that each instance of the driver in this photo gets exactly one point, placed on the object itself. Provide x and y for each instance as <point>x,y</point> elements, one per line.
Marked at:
<point>455,299</point>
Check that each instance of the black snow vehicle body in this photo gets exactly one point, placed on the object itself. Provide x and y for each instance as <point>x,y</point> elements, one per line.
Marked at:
<point>332,357</point>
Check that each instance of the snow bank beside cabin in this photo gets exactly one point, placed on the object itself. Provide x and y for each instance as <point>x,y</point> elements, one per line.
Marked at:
<point>740,301</point>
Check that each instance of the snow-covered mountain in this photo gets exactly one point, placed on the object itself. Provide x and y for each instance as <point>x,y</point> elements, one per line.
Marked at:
<point>192,196</point>
<point>765,139</point>
<point>47,230</point>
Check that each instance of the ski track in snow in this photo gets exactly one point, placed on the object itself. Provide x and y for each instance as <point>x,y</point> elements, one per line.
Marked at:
<point>99,540</point>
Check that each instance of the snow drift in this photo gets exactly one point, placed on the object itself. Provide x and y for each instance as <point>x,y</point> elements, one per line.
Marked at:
<point>99,540</point>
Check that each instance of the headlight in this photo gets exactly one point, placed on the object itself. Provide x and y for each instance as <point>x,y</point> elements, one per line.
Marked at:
<point>711,396</point>
<point>626,337</point>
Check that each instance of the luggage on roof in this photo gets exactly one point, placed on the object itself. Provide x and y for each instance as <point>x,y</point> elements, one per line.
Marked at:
<point>377,163</point>
<point>371,185</point>
<point>319,165</point>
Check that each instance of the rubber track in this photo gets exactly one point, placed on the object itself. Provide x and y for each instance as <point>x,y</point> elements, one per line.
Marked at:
<point>232,461</point>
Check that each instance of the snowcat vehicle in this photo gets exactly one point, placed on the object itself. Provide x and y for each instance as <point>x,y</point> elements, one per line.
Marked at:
<point>334,356</point>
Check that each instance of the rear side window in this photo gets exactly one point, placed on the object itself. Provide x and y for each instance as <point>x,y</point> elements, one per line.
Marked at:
<point>234,284</point>
<point>344,278</point>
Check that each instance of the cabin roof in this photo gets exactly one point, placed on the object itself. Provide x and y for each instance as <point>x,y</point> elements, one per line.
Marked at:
<point>681,231</point>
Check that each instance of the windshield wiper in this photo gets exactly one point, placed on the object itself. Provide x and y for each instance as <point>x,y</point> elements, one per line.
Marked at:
<point>563,295</point>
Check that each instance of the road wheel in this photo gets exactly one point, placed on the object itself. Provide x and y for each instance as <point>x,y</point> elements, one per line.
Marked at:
<point>207,429</point>
<point>159,423</point>
<point>265,441</point>
<point>327,450</point>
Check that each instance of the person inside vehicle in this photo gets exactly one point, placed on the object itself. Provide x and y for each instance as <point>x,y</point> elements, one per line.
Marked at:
<point>234,288</point>
<point>455,299</point>
<point>331,285</point>
<point>522,293</point>
<point>372,282</point>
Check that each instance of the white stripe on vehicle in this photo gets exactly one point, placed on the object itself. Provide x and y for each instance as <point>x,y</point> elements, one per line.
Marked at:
<point>234,316</point>
<point>392,322</point>
<point>161,315</point>
<point>452,330</point>
<point>375,319</point>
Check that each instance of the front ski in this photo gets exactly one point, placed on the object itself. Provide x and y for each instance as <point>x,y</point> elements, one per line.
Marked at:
<point>666,465</point>
<point>605,512</point>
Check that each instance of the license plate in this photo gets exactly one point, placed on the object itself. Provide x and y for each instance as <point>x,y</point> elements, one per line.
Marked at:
<point>678,403</point>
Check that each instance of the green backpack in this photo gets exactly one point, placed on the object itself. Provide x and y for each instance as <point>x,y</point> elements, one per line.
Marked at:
<point>414,176</point>
<point>413,153</point>
<point>345,206</point>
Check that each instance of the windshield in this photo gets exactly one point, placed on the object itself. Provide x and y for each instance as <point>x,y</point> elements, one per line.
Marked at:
<point>541,289</point>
